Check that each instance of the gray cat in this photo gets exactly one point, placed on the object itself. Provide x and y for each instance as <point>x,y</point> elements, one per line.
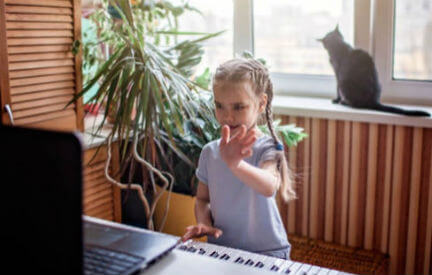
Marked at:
<point>357,77</point>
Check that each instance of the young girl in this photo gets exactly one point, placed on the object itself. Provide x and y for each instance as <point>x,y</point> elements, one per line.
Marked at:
<point>240,173</point>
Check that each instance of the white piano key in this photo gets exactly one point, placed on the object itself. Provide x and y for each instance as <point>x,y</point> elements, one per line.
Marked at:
<point>333,272</point>
<point>294,268</point>
<point>304,269</point>
<point>324,271</point>
<point>315,270</point>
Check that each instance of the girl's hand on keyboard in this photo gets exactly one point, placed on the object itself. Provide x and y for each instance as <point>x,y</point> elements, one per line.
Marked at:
<point>199,230</point>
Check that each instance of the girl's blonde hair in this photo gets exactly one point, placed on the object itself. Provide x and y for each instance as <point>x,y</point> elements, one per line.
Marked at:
<point>239,70</point>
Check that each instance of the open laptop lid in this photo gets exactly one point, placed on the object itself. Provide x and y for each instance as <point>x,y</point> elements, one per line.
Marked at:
<point>41,179</point>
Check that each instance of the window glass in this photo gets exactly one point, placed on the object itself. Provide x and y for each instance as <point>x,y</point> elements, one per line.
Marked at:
<point>215,16</point>
<point>412,54</point>
<point>285,33</point>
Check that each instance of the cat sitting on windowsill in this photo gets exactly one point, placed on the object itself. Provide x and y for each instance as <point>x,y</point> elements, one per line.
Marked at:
<point>357,77</point>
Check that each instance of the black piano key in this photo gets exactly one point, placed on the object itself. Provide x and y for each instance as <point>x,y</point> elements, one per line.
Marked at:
<point>249,262</point>
<point>274,268</point>
<point>214,254</point>
<point>192,249</point>
<point>288,271</point>
<point>239,260</point>
<point>183,247</point>
<point>224,257</point>
<point>201,251</point>
<point>259,265</point>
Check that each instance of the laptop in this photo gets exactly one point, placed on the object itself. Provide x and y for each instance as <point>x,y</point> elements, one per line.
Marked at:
<point>43,229</point>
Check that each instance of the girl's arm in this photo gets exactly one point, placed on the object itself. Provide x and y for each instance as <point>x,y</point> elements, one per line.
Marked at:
<point>234,148</point>
<point>203,216</point>
<point>265,179</point>
<point>202,205</point>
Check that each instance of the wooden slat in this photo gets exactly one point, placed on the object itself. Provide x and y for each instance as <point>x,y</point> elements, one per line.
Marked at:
<point>102,209</point>
<point>93,156</point>
<point>330,181</point>
<point>101,179</point>
<point>37,10</point>
<point>39,41</point>
<point>42,87</point>
<point>106,211</point>
<point>345,182</point>
<point>396,198</point>
<point>306,177</point>
<point>40,72</point>
<point>42,3</point>
<point>38,33</point>
<point>115,164</point>
<point>38,26</point>
<point>38,18</point>
<point>292,163</point>
<point>79,104</point>
<point>98,203</point>
<point>42,95</point>
<point>94,168</point>
<point>41,80</point>
<point>428,240</point>
<point>341,139</point>
<point>91,190</point>
<point>315,179</point>
<point>107,193</point>
<point>41,110</point>
<point>387,188</point>
<point>354,184</point>
<point>41,64</point>
<point>414,201</point>
<point>41,102</point>
<point>61,120</point>
<point>371,185</point>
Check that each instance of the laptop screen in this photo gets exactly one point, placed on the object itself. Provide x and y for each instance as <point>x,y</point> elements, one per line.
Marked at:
<point>41,178</point>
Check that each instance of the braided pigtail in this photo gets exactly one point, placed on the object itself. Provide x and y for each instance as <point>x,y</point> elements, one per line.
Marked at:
<point>287,191</point>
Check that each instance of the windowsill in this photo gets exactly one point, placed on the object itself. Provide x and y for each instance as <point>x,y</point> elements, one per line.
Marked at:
<point>324,108</point>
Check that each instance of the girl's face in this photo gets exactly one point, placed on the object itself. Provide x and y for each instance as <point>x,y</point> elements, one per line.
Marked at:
<point>237,104</point>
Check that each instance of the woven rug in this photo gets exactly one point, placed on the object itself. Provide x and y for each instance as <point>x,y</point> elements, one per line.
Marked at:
<point>339,257</point>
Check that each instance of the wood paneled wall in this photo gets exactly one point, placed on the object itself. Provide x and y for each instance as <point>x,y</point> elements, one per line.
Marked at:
<point>365,185</point>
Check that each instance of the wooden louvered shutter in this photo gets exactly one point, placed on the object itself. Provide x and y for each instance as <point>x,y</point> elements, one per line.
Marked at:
<point>101,199</point>
<point>39,74</point>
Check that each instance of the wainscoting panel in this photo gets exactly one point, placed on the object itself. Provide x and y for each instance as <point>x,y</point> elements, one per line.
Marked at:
<point>364,185</point>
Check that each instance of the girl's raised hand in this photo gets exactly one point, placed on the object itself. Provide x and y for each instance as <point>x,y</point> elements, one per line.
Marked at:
<point>234,147</point>
<point>199,230</point>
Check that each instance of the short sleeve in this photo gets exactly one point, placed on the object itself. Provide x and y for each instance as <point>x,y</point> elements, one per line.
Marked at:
<point>267,152</point>
<point>201,171</point>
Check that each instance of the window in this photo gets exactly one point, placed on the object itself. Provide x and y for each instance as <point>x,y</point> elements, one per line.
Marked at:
<point>216,16</point>
<point>412,56</point>
<point>286,31</point>
<point>395,32</point>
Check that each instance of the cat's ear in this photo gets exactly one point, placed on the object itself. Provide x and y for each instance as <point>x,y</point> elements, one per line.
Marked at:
<point>337,28</point>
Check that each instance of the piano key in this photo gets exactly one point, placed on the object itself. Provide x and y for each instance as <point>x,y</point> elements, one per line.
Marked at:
<point>315,270</point>
<point>333,272</point>
<point>293,268</point>
<point>324,271</point>
<point>304,269</point>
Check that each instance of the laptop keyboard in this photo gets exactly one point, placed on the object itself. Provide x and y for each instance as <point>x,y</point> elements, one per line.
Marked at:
<point>103,261</point>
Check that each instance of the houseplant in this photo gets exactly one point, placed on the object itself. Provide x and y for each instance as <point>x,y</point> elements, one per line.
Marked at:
<point>145,82</point>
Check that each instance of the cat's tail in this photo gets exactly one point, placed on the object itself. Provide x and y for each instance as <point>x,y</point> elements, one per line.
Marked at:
<point>397,110</point>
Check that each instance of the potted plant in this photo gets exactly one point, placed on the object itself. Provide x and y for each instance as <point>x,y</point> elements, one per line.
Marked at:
<point>145,84</point>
